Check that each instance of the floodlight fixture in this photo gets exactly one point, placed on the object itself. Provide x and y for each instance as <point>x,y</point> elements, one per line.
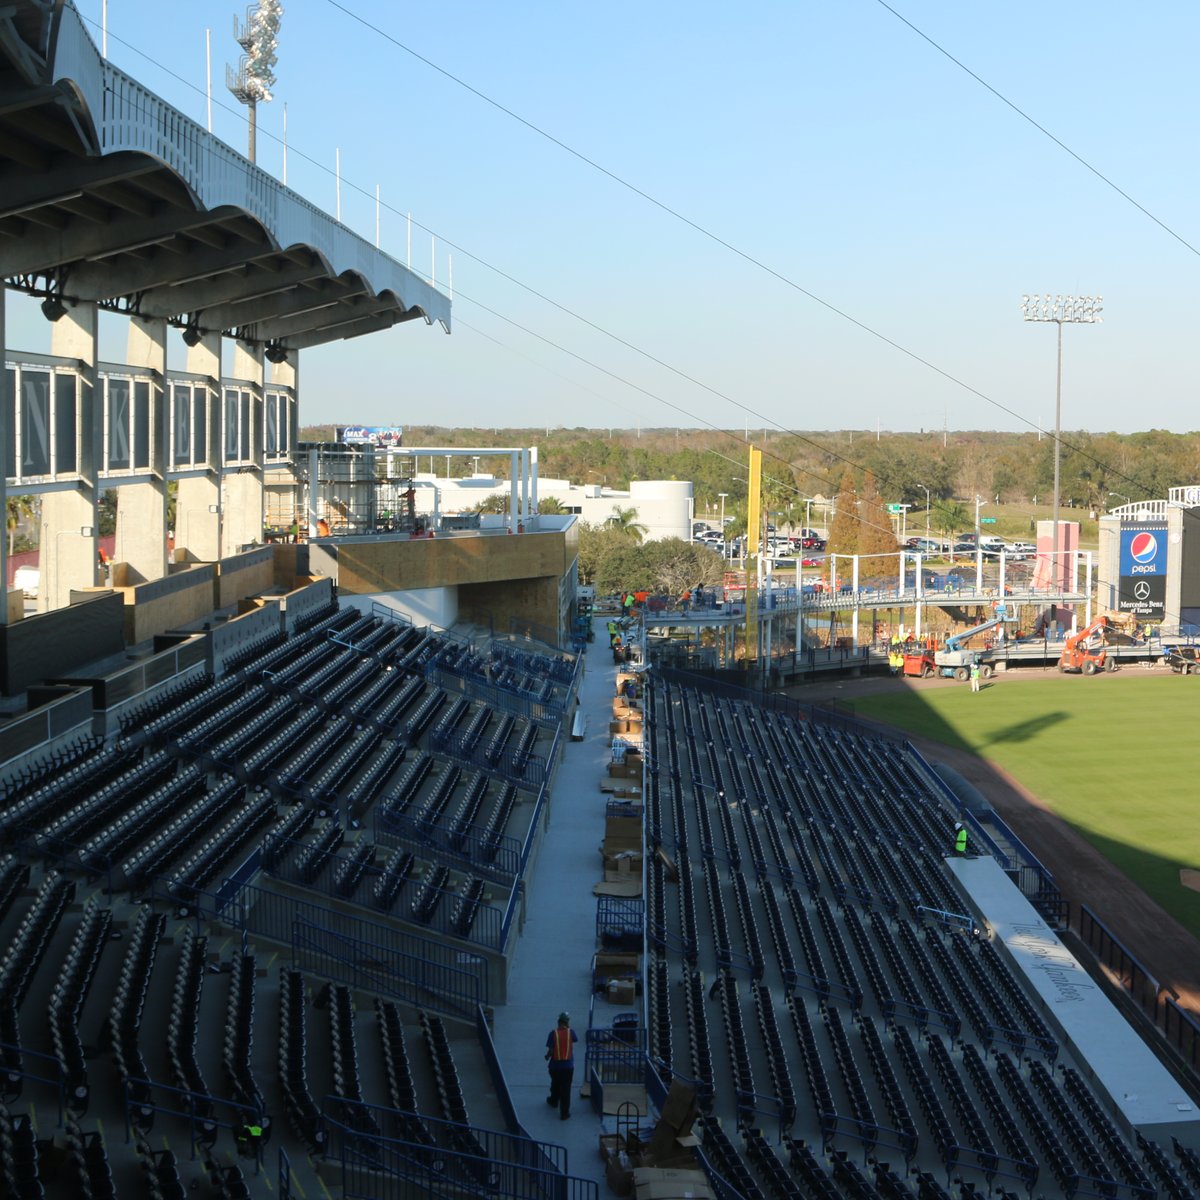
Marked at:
<point>1060,310</point>
<point>53,309</point>
<point>276,352</point>
<point>254,77</point>
<point>191,333</point>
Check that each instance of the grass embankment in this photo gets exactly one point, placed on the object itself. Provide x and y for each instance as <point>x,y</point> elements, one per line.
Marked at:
<point>1114,756</point>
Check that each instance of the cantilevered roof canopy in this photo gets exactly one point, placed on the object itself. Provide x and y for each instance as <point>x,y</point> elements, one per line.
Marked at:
<point>109,194</point>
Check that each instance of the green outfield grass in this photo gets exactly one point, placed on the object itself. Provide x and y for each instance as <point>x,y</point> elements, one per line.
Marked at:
<point>1115,756</point>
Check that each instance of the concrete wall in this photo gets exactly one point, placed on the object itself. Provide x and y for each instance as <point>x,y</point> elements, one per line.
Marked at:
<point>69,715</point>
<point>247,574</point>
<point>499,605</point>
<point>179,599</point>
<point>228,637</point>
<point>56,643</point>
<point>422,606</point>
<point>311,596</point>
<point>488,580</point>
<point>367,566</point>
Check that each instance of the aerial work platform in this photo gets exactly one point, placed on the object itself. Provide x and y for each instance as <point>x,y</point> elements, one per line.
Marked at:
<point>1143,1093</point>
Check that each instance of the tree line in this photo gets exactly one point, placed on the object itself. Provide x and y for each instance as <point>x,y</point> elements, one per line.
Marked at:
<point>1013,467</point>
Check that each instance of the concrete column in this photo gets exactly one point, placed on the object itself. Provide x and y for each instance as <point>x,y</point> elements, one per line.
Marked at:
<point>242,490</point>
<point>67,559</point>
<point>142,507</point>
<point>6,436</point>
<point>514,496</point>
<point>198,500</point>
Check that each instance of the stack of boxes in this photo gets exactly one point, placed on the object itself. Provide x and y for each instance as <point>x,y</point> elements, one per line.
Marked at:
<point>663,1166</point>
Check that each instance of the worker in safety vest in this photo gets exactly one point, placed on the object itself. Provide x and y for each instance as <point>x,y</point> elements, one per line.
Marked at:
<point>560,1054</point>
<point>960,838</point>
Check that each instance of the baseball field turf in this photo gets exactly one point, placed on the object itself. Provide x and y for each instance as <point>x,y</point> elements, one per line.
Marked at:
<point>1116,756</point>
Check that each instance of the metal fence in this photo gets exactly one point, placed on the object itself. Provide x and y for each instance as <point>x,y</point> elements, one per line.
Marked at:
<point>546,713</point>
<point>349,949</point>
<point>528,771</point>
<point>1156,1000</point>
<point>502,1166</point>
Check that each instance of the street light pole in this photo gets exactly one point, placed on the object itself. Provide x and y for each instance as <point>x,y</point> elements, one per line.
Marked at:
<point>926,491</point>
<point>979,503</point>
<point>1061,310</point>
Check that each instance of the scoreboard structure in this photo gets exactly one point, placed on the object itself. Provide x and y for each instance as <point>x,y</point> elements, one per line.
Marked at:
<point>1149,561</point>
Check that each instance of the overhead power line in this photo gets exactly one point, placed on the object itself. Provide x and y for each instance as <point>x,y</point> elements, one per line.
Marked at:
<point>743,407</point>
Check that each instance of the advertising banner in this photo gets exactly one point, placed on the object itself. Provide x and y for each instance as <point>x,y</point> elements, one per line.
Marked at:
<point>1143,588</point>
<point>371,435</point>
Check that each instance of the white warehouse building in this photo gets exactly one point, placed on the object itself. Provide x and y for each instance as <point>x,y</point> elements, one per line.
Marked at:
<point>664,506</point>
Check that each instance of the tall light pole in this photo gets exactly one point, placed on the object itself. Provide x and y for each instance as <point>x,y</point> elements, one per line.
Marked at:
<point>255,74</point>
<point>1061,310</point>
<point>926,491</point>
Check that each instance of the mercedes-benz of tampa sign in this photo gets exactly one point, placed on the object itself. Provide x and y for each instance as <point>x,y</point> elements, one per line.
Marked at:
<point>1143,590</point>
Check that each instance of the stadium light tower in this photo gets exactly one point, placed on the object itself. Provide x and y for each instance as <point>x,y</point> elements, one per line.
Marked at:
<point>1061,310</point>
<point>255,74</point>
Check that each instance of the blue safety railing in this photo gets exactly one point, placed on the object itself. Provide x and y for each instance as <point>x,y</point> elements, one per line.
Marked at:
<point>348,948</point>
<point>20,1065</point>
<point>376,1166</point>
<point>495,856</point>
<point>527,772</point>
<point>1157,1001</point>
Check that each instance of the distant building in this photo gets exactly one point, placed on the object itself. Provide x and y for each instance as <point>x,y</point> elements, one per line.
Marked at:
<point>664,506</point>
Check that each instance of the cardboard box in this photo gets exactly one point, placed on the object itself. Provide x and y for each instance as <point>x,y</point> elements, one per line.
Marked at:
<point>619,1173</point>
<point>674,1126</point>
<point>612,1144</point>
<point>622,991</point>
<point>624,865</point>
<point>613,964</point>
<point>622,833</point>
<point>666,1183</point>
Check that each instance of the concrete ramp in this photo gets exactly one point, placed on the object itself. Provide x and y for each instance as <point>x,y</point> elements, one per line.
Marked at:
<point>1141,1090</point>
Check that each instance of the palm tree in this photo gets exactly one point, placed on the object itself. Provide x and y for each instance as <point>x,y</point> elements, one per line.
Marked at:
<point>624,521</point>
<point>20,508</point>
<point>952,518</point>
<point>551,505</point>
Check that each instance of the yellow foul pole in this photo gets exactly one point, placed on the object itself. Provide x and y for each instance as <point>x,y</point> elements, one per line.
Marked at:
<point>753,550</point>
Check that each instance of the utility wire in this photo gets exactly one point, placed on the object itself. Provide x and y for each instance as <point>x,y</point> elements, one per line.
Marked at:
<point>1083,162</point>
<point>765,420</point>
<point>716,238</point>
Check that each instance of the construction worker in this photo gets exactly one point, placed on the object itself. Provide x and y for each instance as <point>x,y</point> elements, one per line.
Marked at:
<point>560,1054</point>
<point>960,839</point>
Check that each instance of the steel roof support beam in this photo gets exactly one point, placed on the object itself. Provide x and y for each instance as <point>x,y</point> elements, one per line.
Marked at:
<point>47,249</point>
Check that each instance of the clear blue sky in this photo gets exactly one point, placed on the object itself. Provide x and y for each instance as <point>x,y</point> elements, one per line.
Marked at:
<point>826,140</point>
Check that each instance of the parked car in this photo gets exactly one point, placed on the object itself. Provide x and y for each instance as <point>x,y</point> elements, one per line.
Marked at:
<point>1021,550</point>
<point>962,546</point>
<point>810,561</point>
<point>812,542</point>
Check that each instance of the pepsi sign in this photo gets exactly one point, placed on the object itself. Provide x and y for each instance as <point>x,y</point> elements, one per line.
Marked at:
<point>1143,552</point>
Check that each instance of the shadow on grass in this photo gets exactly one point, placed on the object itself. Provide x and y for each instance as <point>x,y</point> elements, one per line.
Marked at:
<point>1158,877</point>
<point>1025,731</point>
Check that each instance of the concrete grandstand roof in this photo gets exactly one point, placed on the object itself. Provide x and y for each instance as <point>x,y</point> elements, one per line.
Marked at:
<point>109,194</point>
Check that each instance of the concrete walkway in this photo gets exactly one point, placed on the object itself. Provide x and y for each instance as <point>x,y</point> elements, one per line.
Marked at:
<point>552,964</point>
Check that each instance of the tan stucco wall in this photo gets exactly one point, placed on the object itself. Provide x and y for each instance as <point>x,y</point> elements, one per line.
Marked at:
<point>381,565</point>
<point>241,576</point>
<point>498,605</point>
<point>146,618</point>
